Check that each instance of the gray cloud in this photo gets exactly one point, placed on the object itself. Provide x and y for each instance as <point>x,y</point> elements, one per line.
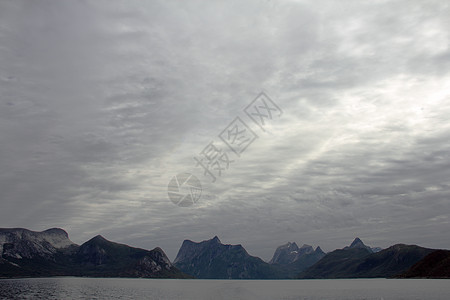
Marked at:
<point>101,104</point>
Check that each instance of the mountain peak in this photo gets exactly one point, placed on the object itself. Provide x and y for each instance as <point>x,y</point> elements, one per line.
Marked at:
<point>359,263</point>
<point>292,245</point>
<point>290,252</point>
<point>319,250</point>
<point>29,244</point>
<point>57,231</point>
<point>189,248</point>
<point>26,253</point>
<point>356,242</point>
<point>98,238</point>
<point>289,246</point>
<point>215,239</point>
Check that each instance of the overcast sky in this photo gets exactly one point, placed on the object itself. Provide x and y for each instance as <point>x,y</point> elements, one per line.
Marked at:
<point>102,103</point>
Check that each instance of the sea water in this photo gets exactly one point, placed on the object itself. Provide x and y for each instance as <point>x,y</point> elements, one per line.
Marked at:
<point>118,288</point>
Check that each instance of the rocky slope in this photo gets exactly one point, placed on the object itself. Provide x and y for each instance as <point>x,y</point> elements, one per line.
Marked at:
<point>211,259</point>
<point>290,252</point>
<point>51,253</point>
<point>291,259</point>
<point>434,265</point>
<point>100,257</point>
<point>360,262</point>
<point>22,243</point>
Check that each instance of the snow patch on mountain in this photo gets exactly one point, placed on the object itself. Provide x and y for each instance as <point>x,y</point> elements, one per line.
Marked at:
<point>23,243</point>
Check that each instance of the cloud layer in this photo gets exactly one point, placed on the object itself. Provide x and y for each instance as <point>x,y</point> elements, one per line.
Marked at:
<point>103,103</point>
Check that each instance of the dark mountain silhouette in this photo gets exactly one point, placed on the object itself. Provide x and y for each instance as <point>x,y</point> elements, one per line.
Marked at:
<point>359,262</point>
<point>434,265</point>
<point>336,264</point>
<point>292,260</point>
<point>285,254</point>
<point>290,252</point>
<point>51,253</point>
<point>100,257</point>
<point>211,259</point>
<point>25,253</point>
<point>357,243</point>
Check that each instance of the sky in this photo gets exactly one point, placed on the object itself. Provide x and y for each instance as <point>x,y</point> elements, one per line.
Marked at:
<point>102,103</point>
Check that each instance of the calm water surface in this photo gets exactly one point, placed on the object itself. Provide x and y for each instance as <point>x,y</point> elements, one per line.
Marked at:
<point>100,288</point>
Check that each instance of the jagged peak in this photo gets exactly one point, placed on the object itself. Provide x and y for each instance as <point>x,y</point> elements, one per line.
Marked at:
<point>216,239</point>
<point>158,249</point>
<point>98,238</point>
<point>289,245</point>
<point>319,250</point>
<point>356,241</point>
<point>292,245</point>
<point>188,242</point>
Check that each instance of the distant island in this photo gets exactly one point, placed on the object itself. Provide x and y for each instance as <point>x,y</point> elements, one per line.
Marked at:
<point>26,253</point>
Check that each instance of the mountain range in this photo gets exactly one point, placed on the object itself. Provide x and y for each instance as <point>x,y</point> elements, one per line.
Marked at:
<point>357,261</point>
<point>291,260</point>
<point>290,252</point>
<point>26,253</point>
